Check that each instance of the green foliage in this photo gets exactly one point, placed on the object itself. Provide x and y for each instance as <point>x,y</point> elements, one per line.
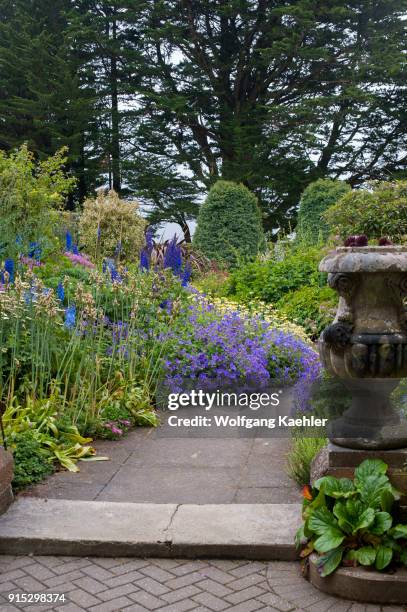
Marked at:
<point>351,521</point>
<point>299,459</point>
<point>229,224</point>
<point>380,211</point>
<point>270,281</point>
<point>30,193</point>
<point>316,199</point>
<point>56,438</point>
<point>32,462</point>
<point>126,407</point>
<point>312,307</point>
<point>215,284</point>
<point>111,227</point>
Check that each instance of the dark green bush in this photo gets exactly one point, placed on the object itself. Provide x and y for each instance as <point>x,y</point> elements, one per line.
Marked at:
<point>31,462</point>
<point>376,213</point>
<point>229,224</point>
<point>270,281</point>
<point>316,199</point>
<point>311,307</point>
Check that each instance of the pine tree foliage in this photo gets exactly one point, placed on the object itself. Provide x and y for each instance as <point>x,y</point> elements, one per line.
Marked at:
<point>163,99</point>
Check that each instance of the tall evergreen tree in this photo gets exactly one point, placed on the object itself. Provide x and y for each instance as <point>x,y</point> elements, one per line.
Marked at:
<point>273,94</point>
<point>43,100</point>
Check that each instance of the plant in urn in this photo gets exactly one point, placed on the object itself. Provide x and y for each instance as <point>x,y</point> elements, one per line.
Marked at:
<point>366,345</point>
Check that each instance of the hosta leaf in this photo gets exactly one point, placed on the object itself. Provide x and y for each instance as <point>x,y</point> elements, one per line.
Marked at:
<point>353,516</point>
<point>383,557</point>
<point>372,488</point>
<point>328,563</point>
<point>329,540</point>
<point>382,523</point>
<point>322,519</point>
<point>370,467</point>
<point>366,555</point>
<point>399,531</point>
<point>336,487</point>
<point>323,523</point>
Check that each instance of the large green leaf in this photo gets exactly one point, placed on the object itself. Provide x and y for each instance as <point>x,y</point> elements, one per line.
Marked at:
<point>329,540</point>
<point>371,489</point>
<point>324,524</point>
<point>366,555</point>
<point>370,467</point>
<point>328,563</point>
<point>336,487</point>
<point>352,515</point>
<point>321,519</point>
<point>383,557</point>
<point>382,523</point>
<point>403,557</point>
<point>399,531</point>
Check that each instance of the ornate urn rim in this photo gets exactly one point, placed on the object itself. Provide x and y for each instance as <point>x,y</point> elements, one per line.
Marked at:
<point>366,259</point>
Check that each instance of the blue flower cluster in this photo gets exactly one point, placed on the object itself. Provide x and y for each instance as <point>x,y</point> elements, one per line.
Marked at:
<point>233,348</point>
<point>172,260</point>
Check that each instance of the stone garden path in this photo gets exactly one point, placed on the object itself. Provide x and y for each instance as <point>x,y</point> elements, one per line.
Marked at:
<point>146,467</point>
<point>166,585</point>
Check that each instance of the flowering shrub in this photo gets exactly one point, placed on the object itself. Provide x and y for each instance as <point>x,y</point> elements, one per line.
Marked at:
<point>111,227</point>
<point>90,343</point>
<point>208,344</point>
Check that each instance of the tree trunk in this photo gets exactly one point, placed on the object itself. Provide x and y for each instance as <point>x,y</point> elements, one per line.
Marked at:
<point>115,121</point>
<point>185,230</point>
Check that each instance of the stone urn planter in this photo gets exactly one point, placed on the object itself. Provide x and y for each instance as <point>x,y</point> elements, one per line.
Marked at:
<point>366,345</point>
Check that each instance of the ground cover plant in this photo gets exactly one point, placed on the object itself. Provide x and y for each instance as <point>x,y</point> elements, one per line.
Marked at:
<point>353,522</point>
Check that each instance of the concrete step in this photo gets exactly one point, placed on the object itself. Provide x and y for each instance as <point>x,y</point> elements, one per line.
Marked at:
<point>109,529</point>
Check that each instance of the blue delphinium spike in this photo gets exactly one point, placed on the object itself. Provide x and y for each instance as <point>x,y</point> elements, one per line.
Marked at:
<point>149,239</point>
<point>9,268</point>
<point>186,275</point>
<point>70,317</point>
<point>75,249</point>
<point>99,232</point>
<point>144,260</point>
<point>68,241</point>
<point>173,256</point>
<point>61,292</point>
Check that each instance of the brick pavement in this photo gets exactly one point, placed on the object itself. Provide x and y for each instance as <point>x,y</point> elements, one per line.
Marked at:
<point>170,585</point>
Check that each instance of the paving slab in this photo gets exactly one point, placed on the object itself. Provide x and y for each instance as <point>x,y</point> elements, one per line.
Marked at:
<point>238,530</point>
<point>147,467</point>
<point>65,527</point>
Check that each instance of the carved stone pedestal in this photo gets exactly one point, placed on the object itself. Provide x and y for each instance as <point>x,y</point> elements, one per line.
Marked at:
<point>340,462</point>
<point>6,476</point>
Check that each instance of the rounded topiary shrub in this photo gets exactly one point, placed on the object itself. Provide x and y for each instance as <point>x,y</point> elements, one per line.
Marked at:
<point>229,224</point>
<point>315,200</point>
